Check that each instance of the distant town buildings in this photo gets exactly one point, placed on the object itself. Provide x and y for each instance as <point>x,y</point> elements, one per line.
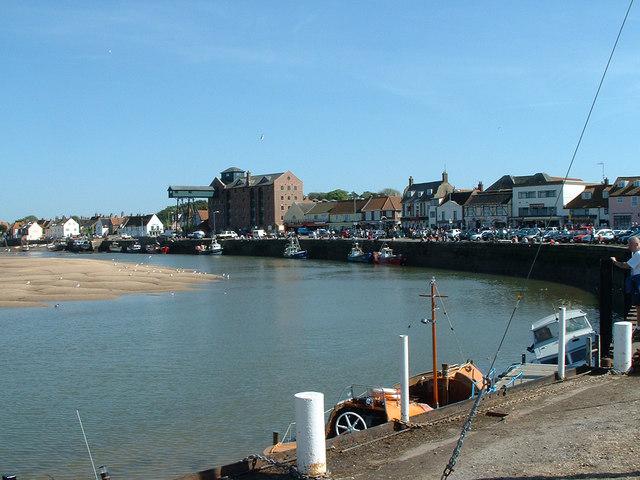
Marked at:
<point>143,226</point>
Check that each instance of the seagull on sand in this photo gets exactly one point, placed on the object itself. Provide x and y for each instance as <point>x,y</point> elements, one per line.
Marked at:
<point>28,282</point>
<point>77,285</point>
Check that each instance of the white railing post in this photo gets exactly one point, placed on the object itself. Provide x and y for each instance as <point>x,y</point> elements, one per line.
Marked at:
<point>404,379</point>
<point>310,437</point>
<point>562,342</point>
<point>622,333</point>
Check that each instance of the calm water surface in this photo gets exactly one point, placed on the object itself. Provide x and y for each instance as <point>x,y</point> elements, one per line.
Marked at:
<point>168,385</point>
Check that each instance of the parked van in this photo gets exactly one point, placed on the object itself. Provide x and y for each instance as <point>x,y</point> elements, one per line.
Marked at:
<point>257,233</point>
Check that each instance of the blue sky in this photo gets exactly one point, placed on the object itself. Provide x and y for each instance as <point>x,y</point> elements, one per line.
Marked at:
<point>105,104</point>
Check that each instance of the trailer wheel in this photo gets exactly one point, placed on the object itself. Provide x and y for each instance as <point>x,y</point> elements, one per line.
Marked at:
<point>349,422</point>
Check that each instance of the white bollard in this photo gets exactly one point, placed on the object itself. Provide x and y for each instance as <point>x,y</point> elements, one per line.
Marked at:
<point>404,380</point>
<point>622,333</point>
<point>562,342</point>
<point>310,438</point>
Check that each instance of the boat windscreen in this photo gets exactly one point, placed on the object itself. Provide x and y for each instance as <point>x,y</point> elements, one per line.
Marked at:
<point>577,323</point>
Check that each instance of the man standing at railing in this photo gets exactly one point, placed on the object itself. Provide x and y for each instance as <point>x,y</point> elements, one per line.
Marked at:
<point>632,285</point>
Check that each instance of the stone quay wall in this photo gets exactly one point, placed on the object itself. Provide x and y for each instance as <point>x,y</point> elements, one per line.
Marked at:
<point>569,264</point>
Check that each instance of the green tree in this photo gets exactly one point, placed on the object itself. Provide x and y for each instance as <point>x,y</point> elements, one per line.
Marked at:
<point>367,194</point>
<point>337,194</point>
<point>28,218</point>
<point>389,192</point>
<point>316,196</point>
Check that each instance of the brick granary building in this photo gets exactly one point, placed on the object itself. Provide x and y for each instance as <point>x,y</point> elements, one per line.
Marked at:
<point>242,201</point>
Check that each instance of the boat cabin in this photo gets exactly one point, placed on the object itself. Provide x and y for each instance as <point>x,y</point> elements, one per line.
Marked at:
<point>545,338</point>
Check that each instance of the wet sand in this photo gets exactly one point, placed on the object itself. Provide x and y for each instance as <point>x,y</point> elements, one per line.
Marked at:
<point>29,282</point>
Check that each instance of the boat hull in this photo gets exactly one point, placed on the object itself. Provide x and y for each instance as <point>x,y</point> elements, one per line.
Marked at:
<point>364,258</point>
<point>395,260</point>
<point>302,254</point>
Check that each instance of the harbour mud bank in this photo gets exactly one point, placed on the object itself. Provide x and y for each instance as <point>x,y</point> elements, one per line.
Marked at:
<point>575,265</point>
<point>34,281</point>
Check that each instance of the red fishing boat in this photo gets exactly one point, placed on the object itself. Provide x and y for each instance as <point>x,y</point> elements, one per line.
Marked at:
<point>385,256</point>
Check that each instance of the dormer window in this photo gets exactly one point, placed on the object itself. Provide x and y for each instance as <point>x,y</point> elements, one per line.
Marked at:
<point>605,194</point>
<point>636,183</point>
<point>622,184</point>
<point>586,195</point>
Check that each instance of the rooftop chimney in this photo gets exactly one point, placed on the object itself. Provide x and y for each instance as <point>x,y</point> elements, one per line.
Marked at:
<point>410,180</point>
<point>480,186</point>
<point>246,177</point>
<point>445,177</point>
<point>605,181</point>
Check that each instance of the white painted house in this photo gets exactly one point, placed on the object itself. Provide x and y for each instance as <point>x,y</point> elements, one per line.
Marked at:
<point>64,228</point>
<point>540,197</point>
<point>143,226</point>
<point>450,211</point>
<point>31,231</point>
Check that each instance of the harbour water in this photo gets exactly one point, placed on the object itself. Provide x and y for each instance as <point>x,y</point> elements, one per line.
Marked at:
<point>170,384</point>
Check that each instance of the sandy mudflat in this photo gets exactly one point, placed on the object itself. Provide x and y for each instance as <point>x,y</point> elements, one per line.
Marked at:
<point>29,281</point>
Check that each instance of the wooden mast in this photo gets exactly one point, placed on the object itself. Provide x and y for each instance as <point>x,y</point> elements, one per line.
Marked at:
<point>434,343</point>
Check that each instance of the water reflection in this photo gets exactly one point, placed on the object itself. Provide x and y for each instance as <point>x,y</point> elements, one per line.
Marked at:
<point>171,384</point>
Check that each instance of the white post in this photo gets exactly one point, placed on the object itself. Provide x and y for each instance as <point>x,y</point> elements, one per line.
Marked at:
<point>404,380</point>
<point>562,341</point>
<point>622,333</point>
<point>310,438</point>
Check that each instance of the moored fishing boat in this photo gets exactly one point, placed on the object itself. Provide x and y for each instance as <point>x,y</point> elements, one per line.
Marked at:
<point>358,255</point>
<point>56,246</point>
<point>385,256</point>
<point>115,247</point>
<point>293,250</point>
<point>134,248</point>
<point>215,247</point>
<point>152,247</point>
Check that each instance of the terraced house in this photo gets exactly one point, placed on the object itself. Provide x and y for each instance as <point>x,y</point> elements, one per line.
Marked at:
<point>623,197</point>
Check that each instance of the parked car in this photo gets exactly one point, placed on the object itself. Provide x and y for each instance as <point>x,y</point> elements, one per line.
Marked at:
<point>453,234</point>
<point>604,235</point>
<point>226,234</point>
<point>197,234</point>
<point>579,235</point>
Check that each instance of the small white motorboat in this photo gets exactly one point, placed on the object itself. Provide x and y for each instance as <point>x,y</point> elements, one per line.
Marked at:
<point>545,338</point>
<point>216,248</point>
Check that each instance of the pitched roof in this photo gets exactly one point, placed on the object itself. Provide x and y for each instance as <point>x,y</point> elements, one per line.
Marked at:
<point>138,220</point>
<point>460,197</point>
<point>420,190</point>
<point>347,206</point>
<point>496,197</point>
<point>321,207</point>
<point>255,180</point>
<point>232,169</point>
<point>628,190</point>
<point>511,181</point>
<point>304,206</point>
<point>596,200</point>
<point>383,203</point>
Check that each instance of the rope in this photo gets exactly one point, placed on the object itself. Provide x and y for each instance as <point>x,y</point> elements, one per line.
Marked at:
<point>474,409</point>
<point>446,315</point>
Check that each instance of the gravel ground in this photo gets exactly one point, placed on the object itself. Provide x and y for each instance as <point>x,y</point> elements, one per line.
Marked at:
<point>584,428</point>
